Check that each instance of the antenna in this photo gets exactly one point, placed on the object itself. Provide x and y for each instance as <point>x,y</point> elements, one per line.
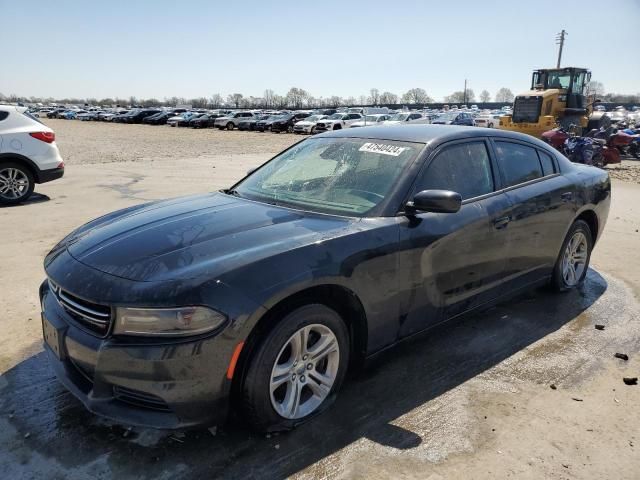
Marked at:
<point>560,41</point>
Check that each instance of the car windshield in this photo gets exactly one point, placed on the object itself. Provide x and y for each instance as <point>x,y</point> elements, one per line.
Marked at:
<point>337,116</point>
<point>399,117</point>
<point>344,176</point>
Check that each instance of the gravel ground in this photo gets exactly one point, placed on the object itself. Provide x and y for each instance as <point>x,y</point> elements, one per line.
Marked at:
<point>83,143</point>
<point>471,400</point>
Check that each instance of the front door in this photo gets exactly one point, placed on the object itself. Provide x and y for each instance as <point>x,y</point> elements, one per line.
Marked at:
<point>452,262</point>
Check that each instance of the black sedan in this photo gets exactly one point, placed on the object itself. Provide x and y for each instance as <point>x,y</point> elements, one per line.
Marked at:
<point>206,120</point>
<point>261,296</point>
<point>264,125</point>
<point>159,118</point>
<point>285,122</point>
<point>250,123</point>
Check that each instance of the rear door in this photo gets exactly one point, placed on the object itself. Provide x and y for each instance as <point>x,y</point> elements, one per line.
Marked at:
<point>453,262</point>
<point>542,208</point>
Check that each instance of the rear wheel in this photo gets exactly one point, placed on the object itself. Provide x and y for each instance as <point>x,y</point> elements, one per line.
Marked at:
<point>297,369</point>
<point>16,183</point>
<point>573,261</point>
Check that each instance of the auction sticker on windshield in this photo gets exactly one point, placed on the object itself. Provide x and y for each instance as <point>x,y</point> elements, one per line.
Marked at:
<point>382,148</point>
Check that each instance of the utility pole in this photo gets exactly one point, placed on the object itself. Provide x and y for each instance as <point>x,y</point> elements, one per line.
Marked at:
<point>560,41</point>
<point>464,95</point>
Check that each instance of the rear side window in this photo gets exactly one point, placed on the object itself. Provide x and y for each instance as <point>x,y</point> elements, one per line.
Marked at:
<point>547,163</point>
<point>27,114</point>
<point>464,168</point>
<point>518,163</point>
<point>3,115</point>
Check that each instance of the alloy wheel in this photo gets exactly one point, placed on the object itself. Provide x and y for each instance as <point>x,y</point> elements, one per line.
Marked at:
<point>304,371</point>
<point>14,184</point>
<point>574,260</point>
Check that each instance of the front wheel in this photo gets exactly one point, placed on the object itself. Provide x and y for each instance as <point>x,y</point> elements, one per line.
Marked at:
<point>297,369</point>
<point>16,183</point>
<point>230,126</point>
<point>573,261</point>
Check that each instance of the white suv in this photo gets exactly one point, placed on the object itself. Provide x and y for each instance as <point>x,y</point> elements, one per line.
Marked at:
<point>28,154</point>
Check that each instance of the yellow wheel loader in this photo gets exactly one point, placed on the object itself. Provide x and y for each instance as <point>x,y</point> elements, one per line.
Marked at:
<point>557,97</point>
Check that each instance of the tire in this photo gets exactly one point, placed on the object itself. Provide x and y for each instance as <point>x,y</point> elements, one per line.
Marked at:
<point>290,129</point>
<point>16,183</point>
<point>265,407</point>
<point>562,280</point>
<point>230,126</point>
<point>313,131</point>
<point>337,127</point>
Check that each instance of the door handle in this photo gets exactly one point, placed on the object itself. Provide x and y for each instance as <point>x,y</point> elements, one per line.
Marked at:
<point>501,222</point>
<point>567,196</point>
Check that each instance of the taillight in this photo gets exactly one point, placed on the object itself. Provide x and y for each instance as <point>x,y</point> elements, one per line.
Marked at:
<point>46,137</point>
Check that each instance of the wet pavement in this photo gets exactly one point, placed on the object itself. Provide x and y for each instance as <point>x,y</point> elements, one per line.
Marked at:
<point>419,402</point>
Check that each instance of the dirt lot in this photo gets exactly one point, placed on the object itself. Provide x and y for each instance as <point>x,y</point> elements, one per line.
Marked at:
<point>473,399</point>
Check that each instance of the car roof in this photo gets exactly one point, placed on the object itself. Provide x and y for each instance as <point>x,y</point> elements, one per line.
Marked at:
<point>429,133</point>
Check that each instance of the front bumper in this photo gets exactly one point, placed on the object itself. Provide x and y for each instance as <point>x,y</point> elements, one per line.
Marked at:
<point>164,383</point>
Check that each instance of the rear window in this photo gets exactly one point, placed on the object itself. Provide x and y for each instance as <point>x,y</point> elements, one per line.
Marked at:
<point>547,163</point>
<point>27,114</point>
<point>518,163</point>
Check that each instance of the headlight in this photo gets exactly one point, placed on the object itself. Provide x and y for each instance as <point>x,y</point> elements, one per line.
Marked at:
<point>167,321</point>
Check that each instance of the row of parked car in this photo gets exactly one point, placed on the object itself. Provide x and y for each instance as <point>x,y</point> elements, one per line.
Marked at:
<point>300,121</point>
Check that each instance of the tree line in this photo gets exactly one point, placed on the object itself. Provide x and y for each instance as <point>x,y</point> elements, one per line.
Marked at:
<point>299,98</point>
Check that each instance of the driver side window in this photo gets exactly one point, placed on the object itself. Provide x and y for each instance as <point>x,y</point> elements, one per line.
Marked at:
<point>464,168</point>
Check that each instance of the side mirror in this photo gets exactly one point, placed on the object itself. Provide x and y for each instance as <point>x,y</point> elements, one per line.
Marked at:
<point>436,201</point>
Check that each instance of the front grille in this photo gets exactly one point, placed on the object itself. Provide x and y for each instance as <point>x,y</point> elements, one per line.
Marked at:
<point>91,316</point>
<point>526,109</point>
<point>139,399</point>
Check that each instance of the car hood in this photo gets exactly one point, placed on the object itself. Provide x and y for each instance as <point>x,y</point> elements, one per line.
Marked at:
<point>200,236</point>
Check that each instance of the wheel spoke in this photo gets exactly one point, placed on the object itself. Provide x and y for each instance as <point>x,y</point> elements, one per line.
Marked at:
<point>319,384</point>
<point>292,399</point>
<point>323,347</point>
<point>280,374</point>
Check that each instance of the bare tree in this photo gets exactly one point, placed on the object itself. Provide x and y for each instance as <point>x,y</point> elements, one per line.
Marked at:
<point>235,99</point>
<point>374,96</point>
<point>504,95</point>
<point>388,98</point>
<point>485,96</point>
<point>297,97</point>
<point>334,101</point>
<point>416,96</point>
<point>595,88</point>
<point>216,100</point>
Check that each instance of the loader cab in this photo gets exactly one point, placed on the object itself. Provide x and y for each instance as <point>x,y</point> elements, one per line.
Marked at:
<point>572,81</point>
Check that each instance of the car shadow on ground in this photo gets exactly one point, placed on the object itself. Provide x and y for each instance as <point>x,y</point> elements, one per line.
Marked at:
<point>34,198</point>
<point>406,377</point>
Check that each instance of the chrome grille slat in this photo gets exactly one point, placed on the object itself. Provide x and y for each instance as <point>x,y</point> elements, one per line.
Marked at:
<point>84,309</point>
<point>93,320</point>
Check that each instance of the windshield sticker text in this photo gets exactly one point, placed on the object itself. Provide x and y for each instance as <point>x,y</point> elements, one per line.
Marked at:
<point>382,148</point>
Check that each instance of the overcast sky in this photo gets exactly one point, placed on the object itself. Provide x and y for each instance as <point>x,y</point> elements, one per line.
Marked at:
<point>158,48</point>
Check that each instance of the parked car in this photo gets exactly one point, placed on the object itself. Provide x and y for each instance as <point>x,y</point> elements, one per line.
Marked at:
<point>139,115</point>
<point>231,121</point>
<point>488,120</point>
<point>263,125</point>
<point>56,112</point>
<point>205,120</point>
<point>328,254</point>
<point>402,117</point>
<point>337,121</point>
<point>250,123</point>
<point>159,118</point>
<point>454,118</point>
<point>371,120</point>
<point>28,154</point>
<point>286,122</point>
<point>183,117</point>
<point>308,124</point>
